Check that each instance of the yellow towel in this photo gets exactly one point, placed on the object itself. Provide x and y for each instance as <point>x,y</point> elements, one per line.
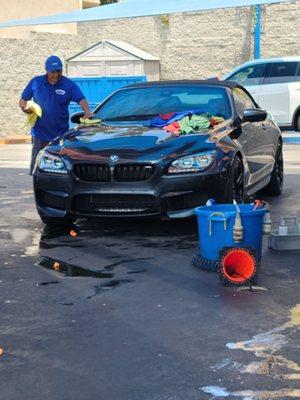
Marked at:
<point>36,113</point>
<point>86,121</point>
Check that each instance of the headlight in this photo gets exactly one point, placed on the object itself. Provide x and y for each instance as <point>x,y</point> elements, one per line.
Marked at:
<point>193,163</point>
<point>49,163</point>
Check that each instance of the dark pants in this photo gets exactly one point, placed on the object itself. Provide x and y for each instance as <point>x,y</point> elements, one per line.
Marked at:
<point>37,146</point>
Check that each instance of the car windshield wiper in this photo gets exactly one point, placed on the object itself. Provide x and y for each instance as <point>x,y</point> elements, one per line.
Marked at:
<point>131,117</point>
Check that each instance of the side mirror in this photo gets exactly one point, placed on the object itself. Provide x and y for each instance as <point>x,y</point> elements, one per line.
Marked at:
<point>75,118</point>
<point>254,115</point>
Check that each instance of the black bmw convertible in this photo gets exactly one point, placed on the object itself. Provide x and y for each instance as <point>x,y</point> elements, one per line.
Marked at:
<point>160,149</point>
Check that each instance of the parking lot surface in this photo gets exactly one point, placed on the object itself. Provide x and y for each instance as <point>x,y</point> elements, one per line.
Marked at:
<point>118,312</point>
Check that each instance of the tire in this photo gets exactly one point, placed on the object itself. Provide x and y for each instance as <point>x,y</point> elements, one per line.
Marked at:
<point>235,184</point>
<point>297,123</point>
<point>57,222</point>
<point>274,187</point>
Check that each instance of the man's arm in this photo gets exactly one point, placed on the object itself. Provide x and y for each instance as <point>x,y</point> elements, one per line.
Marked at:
<point>86,108</point>
<point>25,96</point>
<point>78,97</point>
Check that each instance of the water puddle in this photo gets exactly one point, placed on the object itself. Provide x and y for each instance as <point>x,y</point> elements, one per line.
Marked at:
<point>114,257</point>
<point>71,243</point>
<point>8,202</point>
<point>31,215</point>
<point>138,271</point>
<point>109,286</point>
<point>19,235</point>
<point>112,284</point>
<point>47,283</point>
<point>70,270</point>
<point>26,191</point>
<point>33,249</point>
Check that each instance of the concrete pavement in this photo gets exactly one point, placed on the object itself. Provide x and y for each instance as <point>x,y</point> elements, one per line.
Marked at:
<point>150,326</point>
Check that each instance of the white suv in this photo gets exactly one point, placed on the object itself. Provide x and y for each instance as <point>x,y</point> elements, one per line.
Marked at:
<point>275,85</point>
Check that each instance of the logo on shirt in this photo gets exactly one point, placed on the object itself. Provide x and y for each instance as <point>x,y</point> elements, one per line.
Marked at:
<point>60,91</point>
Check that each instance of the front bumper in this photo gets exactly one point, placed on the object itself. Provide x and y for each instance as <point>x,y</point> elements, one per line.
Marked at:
<point>170,196</point>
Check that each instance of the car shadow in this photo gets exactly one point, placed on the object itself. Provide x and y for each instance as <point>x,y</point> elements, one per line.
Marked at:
<point>126,227</point>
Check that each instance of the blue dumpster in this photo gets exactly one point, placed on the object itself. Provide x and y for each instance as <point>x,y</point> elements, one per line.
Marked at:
<point>97,89</point>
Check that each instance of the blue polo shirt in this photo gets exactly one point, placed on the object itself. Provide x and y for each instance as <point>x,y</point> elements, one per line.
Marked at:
<point>54,100</point>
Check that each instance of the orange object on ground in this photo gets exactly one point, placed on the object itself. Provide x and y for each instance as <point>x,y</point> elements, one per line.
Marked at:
<point>56,266</point>
<point>73,233</point>
<point>1,351</point>
<point>238,265</point>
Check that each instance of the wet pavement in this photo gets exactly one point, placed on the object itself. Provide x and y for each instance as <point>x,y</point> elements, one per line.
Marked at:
<point>118,312</point>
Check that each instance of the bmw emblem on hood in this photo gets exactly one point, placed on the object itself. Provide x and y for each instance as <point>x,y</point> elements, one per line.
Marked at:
<point>114,158</point>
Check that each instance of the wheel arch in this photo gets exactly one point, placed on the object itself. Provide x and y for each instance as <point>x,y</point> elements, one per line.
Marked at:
<point>239,154</point>
<point>295,117</point>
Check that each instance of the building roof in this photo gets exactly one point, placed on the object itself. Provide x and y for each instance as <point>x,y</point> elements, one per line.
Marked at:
<point>137,8</point>
<point>119,45</point>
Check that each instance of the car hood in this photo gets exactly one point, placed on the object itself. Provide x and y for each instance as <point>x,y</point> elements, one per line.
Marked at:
<point>128,143</point>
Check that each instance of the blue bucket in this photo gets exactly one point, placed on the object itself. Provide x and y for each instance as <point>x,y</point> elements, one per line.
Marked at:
<point>215,227</point>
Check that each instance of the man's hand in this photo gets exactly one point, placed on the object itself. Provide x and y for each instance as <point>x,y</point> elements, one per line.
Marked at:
<point>27,111</point>
<point>87,115</point>
<point>23,106</point>
<point>86,109</point>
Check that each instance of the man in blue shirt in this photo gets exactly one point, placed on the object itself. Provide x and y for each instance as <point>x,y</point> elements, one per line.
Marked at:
<point>53,92</point>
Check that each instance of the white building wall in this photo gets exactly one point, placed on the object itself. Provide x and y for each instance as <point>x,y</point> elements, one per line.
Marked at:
<point>196,45</point>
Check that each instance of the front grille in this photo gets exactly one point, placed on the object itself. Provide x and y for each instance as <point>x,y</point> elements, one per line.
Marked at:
<point>92,172</point>
<point>109,204</point>
<point>133,172</point>
<point>122,173</point>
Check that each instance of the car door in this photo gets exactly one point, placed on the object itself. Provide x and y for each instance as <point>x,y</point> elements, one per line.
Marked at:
<point>256,139</point>
<point>250,77</point>
<point>277,91</point>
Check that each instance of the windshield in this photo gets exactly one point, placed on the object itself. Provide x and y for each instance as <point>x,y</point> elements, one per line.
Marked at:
<point>144,103</point>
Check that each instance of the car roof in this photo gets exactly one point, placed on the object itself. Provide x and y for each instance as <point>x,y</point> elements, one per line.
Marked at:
<point>266,61</point>
<point>270,60</point>
<point>207,82</point>
<point>262,61</point>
